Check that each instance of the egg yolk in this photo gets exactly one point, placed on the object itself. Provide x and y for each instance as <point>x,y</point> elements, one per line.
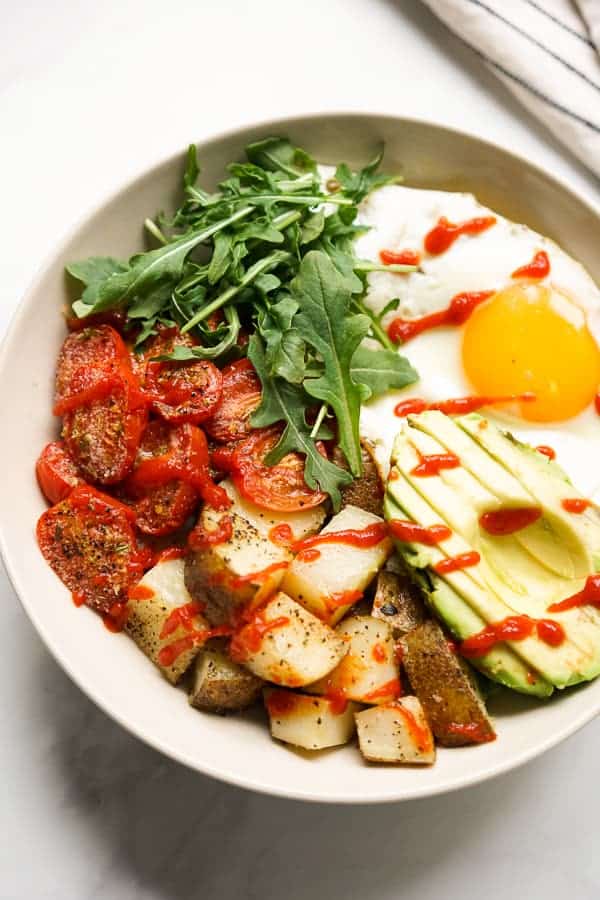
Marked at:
<point>533,338</point>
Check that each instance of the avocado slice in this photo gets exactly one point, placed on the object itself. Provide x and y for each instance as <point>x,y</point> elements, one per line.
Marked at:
<point>552,542</point>
<point>510,577</point>
<point>512,571</point>
<point>501,664</point>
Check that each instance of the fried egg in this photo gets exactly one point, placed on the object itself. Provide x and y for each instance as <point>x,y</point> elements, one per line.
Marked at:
<point>537,332</point>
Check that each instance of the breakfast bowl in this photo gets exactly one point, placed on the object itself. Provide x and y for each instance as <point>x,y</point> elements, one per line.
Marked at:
<point>108,667</point>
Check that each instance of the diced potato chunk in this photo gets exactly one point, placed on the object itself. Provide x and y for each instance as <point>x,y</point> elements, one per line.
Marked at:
<point>396,732</point>
<point>398,602</point>
<point>219,684</point>
<point>313,723</point>
<point>286,644</point>
<point>446,688</point>
<point>220,575</point>
<point>152,621</point>
<point>301,523</point>
<point>340,571</point>
<point>368,672</point>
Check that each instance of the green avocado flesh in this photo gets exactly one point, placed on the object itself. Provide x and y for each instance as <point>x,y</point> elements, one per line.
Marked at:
<point>521,573</point>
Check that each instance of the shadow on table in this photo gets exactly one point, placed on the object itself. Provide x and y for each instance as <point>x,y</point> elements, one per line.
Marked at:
<point>176,835</point>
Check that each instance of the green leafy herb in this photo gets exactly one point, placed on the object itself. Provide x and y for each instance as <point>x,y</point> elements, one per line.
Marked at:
<point>269,254</point>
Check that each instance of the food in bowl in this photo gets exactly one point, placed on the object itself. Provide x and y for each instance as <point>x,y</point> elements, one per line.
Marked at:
<point>273,502</point>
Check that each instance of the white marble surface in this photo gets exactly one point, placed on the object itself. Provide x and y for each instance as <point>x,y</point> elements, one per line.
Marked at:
<point>90,93</point>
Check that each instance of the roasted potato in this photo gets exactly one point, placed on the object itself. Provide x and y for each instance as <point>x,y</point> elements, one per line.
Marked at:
<point>340,571</point>
<point>368,672</point>
<point>286,644</point>
<point>398,602</point>
<point>366,492</point>
<point>154,624</point>
<point>446,688</point>
<point>313,723</point>
<point>219,575</point>
<point>218,684</point>
<point>395,732</point>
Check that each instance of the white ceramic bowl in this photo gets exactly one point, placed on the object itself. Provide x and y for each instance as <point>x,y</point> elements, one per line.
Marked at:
<point>110,668</point>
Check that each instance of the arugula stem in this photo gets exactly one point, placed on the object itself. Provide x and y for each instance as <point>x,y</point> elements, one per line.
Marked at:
<point>319,421</point>
<point>155,231</point>
<point>263,265</point>
<point>379,332</point>
<point>365,266</point>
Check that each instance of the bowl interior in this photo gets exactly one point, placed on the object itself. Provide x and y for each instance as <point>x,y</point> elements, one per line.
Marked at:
<point>109,667</point>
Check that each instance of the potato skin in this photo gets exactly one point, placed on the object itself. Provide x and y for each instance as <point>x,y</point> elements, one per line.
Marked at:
<point>398,602</point>
<point>220,685</point>
<point>447,690</point>
<point>366,492</point>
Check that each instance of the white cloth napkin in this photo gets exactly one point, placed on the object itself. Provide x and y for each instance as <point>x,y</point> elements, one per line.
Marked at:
<point>547,53</point>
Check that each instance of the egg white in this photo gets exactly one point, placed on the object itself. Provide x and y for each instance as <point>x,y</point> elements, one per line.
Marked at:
<point>398,219</point>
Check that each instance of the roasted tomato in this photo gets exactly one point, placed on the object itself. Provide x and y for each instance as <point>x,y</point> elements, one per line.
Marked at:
<point>88,540</point>
<point>185,392</point>
<point>159,345</point>
<point>186,459</point>
<point>281,487</point>
<point>160,508</point>
<point>103,436</point>
<point>241,396</point>
<point>83,351</point>
<point>56,472</point>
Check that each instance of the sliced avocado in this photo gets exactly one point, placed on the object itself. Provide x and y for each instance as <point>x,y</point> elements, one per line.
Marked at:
<point>581,534</point>
<point>562,665</point>
<point>511,570</point>
<point>501,664</point>
<point>509,579</point>
<point>568,557</point>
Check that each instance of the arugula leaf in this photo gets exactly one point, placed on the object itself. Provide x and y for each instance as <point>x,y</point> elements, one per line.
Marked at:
<point>92,272</point>
<point>285,350</point>
<point>147,270</point>
<point>312,227</point>
<point>325,322</point>
<point>381,370</point>
<point>284,402</point>
<point>278,154</point>
<point>357,185</point>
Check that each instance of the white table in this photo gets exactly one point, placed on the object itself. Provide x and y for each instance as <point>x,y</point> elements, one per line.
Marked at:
<point>91,93</point>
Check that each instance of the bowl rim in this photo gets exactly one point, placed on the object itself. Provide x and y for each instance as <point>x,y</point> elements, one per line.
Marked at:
<point>279,123</point>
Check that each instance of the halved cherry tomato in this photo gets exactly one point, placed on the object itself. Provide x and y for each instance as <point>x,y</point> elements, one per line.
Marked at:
<point>103,435</point>
<point>160,508</point>
<point>188,392</point>
<point>281,487</point>
<point>241,396</point>
<point>56,472</point>
<point>88,540</point>
<point>98,346</point>
<point>160,344</point>
<point>186,459</point>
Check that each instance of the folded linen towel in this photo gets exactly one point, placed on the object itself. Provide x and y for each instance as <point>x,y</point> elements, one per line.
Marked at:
<point>547,53</point>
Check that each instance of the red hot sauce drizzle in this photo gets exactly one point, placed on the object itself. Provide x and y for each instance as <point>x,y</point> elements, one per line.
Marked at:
<point>456,563</point>
<point>281,535</point>
<point>575,505</point>
<point>508,521</point>
<point>356,537</point>
<point>539,267</point>
<point>460,308</point>
<point>199,538</point>
<point>309,555</point>
<point>590,595</point>
<point>408,531</point>
<point>457,406</point>
<point>400,257</point>
<point>512,628</point>
<point>546,451</point>
<point>385,692</point>
<point>474,731</point>
<point>434,463</point>
<point>421,735</point>
<point>444,233</point>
